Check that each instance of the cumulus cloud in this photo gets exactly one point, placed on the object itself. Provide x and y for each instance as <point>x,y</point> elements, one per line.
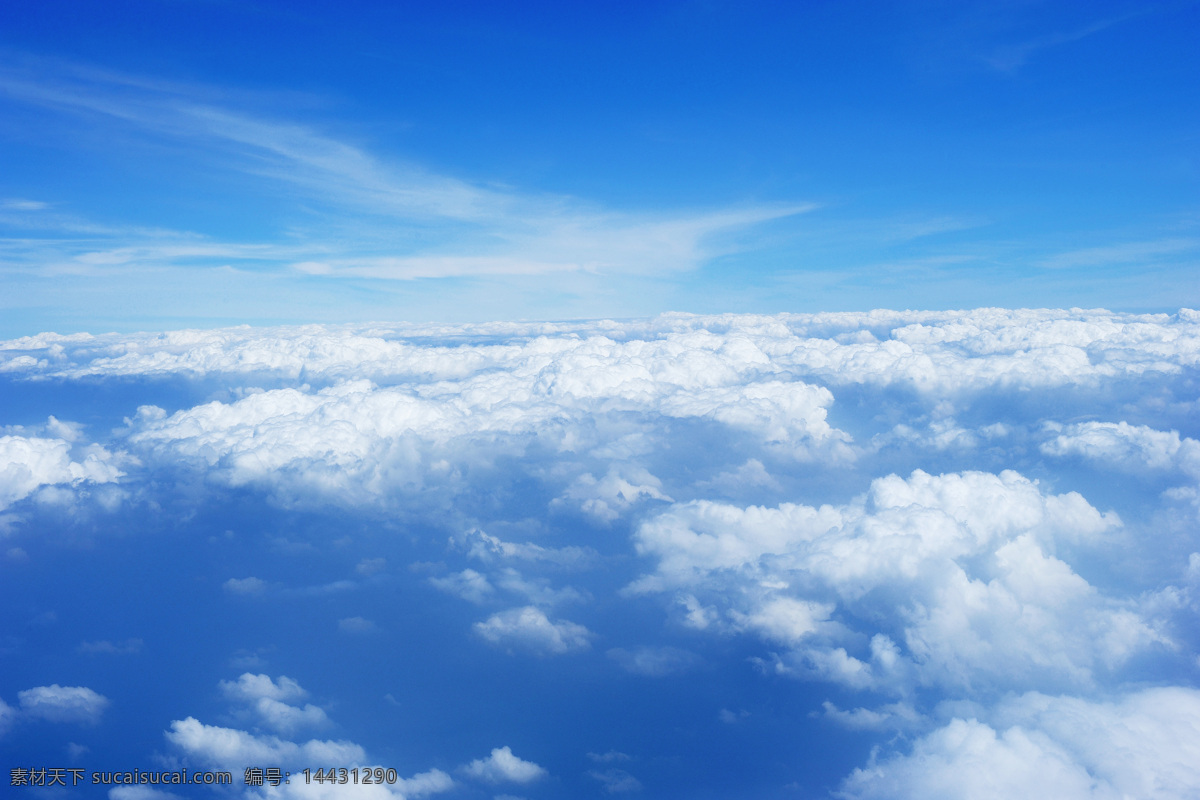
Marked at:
<point>268,700</point>
<point>931,350</point>
<point>956,569</point>
<point>785,619</point>
<point>1130,448</point>
<point>419,785</point>
<point>369,412</point>
<point>468,584</point>
<point>271,701</point>
<point>232,748</point>
<point>529,628</point>
<point>251,687</point>
<point>504,767</point>
<point>356,440</point>
<point>1142,745</point>
<point>63,703</point>
<point>29,463</point>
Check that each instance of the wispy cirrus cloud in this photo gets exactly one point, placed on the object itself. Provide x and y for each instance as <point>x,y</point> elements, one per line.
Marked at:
<point>362,215</point>
<point>1011,57</point>
<point>1124,253</point>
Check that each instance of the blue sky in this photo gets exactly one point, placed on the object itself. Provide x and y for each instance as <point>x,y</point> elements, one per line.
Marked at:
<point>508,396</point>
<point>170,164</point>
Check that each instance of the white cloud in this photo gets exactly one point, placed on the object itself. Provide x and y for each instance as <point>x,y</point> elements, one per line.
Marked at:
<point>288,719</point>
<point>1143,745</point>
<point>392,411</point>
<point>886,717</point>
<point>250,687</point>
<point>29,463</point>
<point>939,434</point>
<point>419,785</point>
<point>504,767</point>
<point>233,749</point>
<point>63,703</point>
<point>785,619</point>
<point>1139,253</point>
<point>424,783</point>
<point>536,591</point>
<point>270,702</point>
<point>963,586</point>
<point>967,759</point>
<point>932,351</point>
<point>607,498</point>
<point>364,216</point>
<point>357,440</point>
<point>487,548</point>
<point>1131,448</point>
<point>468,584</point>
<point>14,204</point>
<point>529,628</point>
<point>956,568</point>
<point>265,698</point>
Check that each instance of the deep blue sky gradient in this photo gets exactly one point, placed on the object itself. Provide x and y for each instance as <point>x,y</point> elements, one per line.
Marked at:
<point>951,155</point>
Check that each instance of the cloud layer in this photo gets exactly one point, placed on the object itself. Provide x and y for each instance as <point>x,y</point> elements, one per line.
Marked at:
<point>970,536</point>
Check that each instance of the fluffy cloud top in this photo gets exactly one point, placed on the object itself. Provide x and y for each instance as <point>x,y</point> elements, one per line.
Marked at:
<point>390,407</point>
<point>1128,447</point>
<point>251,687</point>
<point>936,350</point>
<point>502,766</point>
<point>958,568</point>
<point>232,748</point>
<point>271,702</point>
<point>1147,744</point>
<point>529,628</point>
<point>63,703</point>
<point>29,463</point>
